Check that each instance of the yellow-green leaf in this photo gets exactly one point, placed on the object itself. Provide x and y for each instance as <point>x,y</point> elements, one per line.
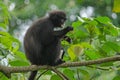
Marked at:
<point>71,53</point>
<point>74,51</point>
<point>116,7</point>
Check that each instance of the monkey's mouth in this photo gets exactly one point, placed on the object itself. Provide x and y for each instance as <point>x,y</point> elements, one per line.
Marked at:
<point>63,25</point>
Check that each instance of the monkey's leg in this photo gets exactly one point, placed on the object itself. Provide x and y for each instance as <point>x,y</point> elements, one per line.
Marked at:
<point>62,53</point>
<point>60,61</point>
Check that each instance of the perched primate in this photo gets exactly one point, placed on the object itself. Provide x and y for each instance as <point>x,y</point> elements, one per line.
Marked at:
<point>68,39</point>
<point>42,43</point>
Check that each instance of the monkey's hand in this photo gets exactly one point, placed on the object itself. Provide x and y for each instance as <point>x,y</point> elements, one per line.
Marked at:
<point>69,28</point>
<point>67,38</point>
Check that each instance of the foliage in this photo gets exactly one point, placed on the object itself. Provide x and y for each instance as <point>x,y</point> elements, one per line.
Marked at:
<point>98,37</point>
<point>116,6</point>
<point>93,38</point>
<point>9,46</point>
<point>4,16</point>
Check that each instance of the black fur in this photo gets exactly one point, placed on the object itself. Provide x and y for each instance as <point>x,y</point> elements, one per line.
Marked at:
<point>42,44</point>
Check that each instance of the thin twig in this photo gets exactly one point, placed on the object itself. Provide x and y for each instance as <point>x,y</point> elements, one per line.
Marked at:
<point>60,74</point>
<point>78,74</point>
<point>42,74</point>
<point>101,68</point>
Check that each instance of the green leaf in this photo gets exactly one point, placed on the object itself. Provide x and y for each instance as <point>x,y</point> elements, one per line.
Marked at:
<point>80,34</point>
<point>9,42</point>
<point>92,54</point>
<point>111,47</point>
<point>15,46</point>
<point>18,63</point>
<point>80,19</point>
<point>71,53</point>
<point>78,49</point>
<point>3,25</point>
<point>92,29</point>
<point>79,31</point>
<point>20,55</point>
<point>85,74</point>
<point>69,73</point>
<point>55,77</point>
<point>3,77</point>
<point>104,20</point>
<point>4,13</point>
<point>86,19</point>
<point>4,34</point>
<point>75,51</point>
<point>116,78</point>
<point>76,24</point>
<point>93,22</point>
<point>116,7</point>
<point>111,29</point>
<point>47,73</point>
<point>64,42</point>
<point>86,45</point>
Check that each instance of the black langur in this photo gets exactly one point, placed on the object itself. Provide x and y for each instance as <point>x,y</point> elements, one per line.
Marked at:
<point>42,43</point>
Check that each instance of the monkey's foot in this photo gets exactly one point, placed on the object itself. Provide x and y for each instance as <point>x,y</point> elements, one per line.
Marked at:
<point>60,61</point>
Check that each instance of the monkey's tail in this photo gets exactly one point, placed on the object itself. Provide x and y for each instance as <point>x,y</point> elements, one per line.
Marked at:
<point>32,75</point>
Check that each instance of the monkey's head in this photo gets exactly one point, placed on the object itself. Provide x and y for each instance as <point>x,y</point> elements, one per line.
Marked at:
<point>58,18</point>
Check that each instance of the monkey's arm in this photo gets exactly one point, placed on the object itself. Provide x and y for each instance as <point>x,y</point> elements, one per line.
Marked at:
<point>62,32</point>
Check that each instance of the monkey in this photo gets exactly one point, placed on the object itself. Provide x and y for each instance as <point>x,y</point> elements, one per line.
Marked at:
<point>68,39</point>
<point>42,44</point>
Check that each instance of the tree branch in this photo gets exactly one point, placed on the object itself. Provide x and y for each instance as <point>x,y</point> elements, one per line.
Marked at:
<point>90,62</point>
<point>8,70</point>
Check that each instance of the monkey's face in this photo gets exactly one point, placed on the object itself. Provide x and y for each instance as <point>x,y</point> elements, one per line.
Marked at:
<point>58,18</point>
<point>61,21</point>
